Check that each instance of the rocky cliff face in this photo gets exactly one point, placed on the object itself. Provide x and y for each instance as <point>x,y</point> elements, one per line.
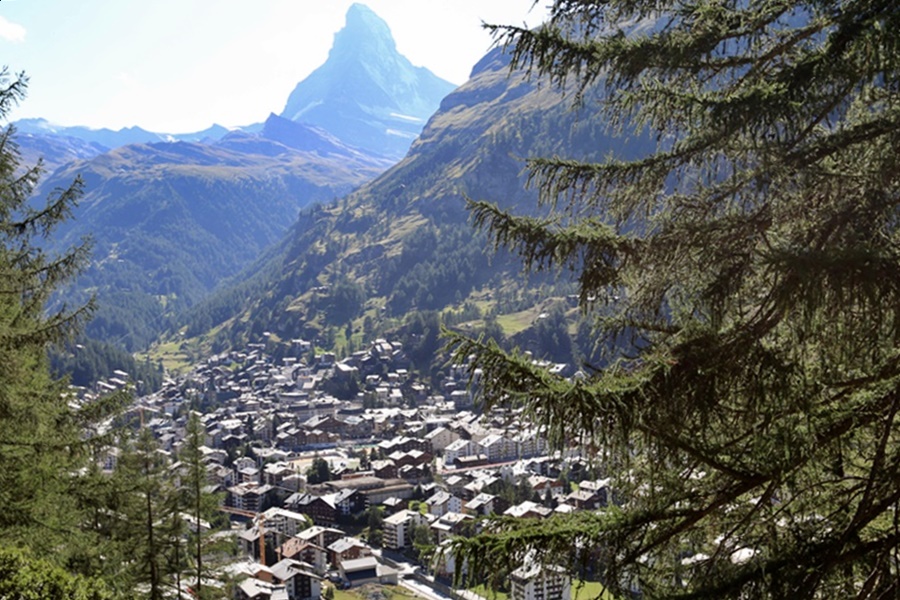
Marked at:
<point>366,93</point>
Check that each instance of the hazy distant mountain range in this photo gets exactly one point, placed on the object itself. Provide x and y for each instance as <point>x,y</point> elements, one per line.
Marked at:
<point>57,145</point>
<point>113,138</point>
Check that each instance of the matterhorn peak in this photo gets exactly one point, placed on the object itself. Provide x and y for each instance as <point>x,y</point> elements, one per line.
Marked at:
<point>364,30</point>
<point>364,38</point>
<point>367,94</point>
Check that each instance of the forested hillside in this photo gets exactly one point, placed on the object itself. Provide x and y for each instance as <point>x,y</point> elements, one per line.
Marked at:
<point>402,246</point>
<point>169,221</point>
<point>85,361</point>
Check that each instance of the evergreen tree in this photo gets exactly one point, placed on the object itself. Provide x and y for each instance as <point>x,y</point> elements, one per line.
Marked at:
<point>364,462</point>
<point>319,471</point>
<point>173,532</point>
<point>197,501</point>
<point>44,484</point>
<point>750,422</point>
<point>23,576</point>
<point>34,419</point>
<point>148,514</point>
<point>422,543</point>
<point>549,501</point>
<point>375,525</point>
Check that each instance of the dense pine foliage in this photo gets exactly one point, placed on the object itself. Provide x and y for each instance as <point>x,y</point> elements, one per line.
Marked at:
<point>42,444</point>
<point>86,361</point>
<point>750,266</point>
<point>68,530</point>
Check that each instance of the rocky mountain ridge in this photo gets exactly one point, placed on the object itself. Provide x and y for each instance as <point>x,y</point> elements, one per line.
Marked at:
<point>366,90</point>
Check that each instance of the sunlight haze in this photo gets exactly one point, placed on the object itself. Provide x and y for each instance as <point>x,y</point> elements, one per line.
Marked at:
<point>181,65</point>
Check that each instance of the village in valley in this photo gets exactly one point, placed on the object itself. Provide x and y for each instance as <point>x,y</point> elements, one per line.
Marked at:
<point>324,493</point>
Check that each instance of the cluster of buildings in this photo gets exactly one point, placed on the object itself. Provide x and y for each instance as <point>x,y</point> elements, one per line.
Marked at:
<point>427,462</point>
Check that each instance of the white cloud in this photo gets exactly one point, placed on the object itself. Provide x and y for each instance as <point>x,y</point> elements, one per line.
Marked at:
<point>11,32</point>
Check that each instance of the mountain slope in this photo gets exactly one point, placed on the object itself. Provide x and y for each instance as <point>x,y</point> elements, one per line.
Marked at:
<point>402,243</point>
<point>366,93</point>
<point>172,219</point>
<point>55,151</point>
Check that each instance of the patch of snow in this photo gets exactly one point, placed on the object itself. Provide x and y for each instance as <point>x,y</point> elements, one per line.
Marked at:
<point>307,108</point>
<point>403,134</point>
<point>409,118</point>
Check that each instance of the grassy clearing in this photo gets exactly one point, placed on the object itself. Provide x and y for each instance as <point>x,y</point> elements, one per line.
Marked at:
<point>391,592</point>
<point>484,592</point>
<point>397,231</point>
<point>581,590</point>
<point>344,595</point>
<point>589,590</point>
<point>173,356</point>
<point>513,323</point>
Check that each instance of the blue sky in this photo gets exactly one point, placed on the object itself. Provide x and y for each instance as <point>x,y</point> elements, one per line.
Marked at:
<point>180,65</point>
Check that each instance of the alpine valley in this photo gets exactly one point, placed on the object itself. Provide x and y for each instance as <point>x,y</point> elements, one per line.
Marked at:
<point>399,256</point>
<point>198,245</point>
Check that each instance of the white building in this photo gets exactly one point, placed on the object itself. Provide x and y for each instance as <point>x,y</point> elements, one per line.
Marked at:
<point>449,525</point>
<point>540,582</point>
<point>299,579</point>
<point>497,448</point>
<point>397,528</point>
<point>481,504</point>
<point>456,450</point>
<point>440,438</point>
<point>286,522</point>
<point>530,443</point>
<point>443,502</point>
